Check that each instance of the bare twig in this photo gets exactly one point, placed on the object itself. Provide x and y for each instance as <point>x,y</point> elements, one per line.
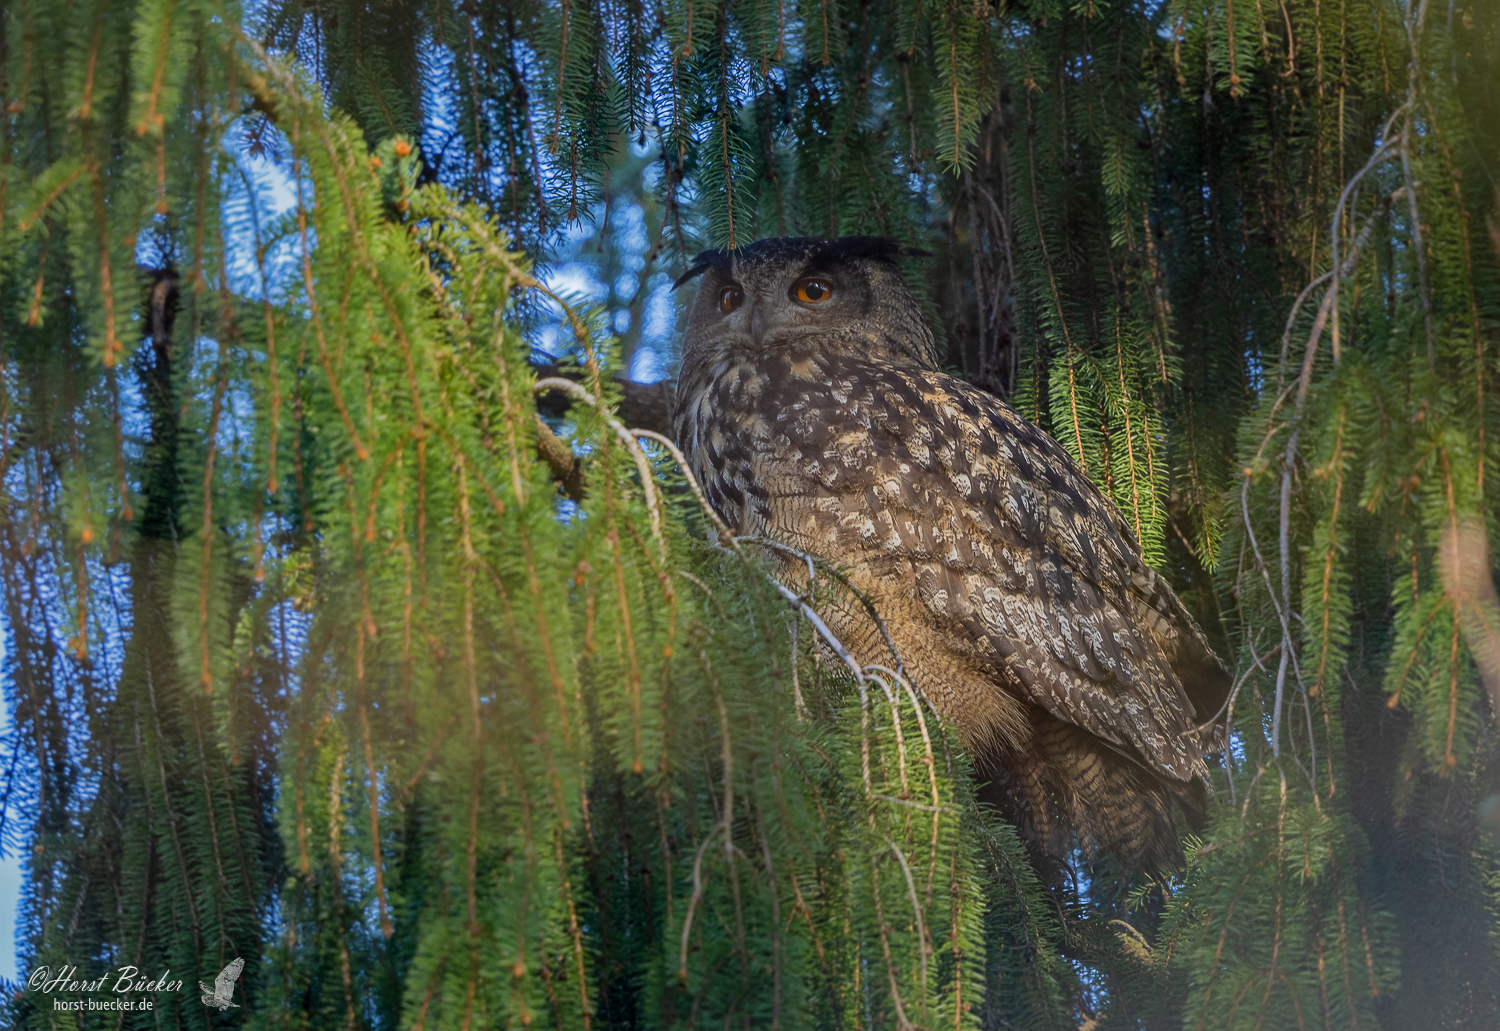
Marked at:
<point>1227,709</point>
<point>839,575</point>
<point>1382,154</point>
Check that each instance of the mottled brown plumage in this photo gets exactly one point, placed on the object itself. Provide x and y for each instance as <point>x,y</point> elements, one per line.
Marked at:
<point>1013,589</point>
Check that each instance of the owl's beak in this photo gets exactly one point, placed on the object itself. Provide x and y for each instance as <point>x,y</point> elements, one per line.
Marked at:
<point>757,324</point>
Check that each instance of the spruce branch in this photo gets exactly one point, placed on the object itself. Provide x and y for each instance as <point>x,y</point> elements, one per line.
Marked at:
<point>642,463</point>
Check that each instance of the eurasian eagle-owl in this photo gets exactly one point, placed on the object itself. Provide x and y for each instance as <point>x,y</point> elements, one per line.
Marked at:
<point>812,409</point>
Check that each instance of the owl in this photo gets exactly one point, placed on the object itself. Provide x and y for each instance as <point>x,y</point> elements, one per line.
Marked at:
<point>813,410</point>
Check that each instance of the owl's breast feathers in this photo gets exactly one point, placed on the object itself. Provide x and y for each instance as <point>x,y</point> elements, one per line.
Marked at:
<point>1007,579</point>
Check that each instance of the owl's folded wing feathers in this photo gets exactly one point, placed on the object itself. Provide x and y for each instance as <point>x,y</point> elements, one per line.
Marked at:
<point>1010,544</point>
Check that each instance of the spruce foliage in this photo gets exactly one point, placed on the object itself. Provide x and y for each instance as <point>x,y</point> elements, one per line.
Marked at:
<point>309,662</point>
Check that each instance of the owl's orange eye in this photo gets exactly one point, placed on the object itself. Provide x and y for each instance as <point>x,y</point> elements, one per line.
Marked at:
<point>812,290</point>
<point>730,298</point>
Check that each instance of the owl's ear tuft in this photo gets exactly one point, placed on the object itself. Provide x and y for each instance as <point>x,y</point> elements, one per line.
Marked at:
<point>881,248</point>
<point>702,263</point>
<point>804,249</point>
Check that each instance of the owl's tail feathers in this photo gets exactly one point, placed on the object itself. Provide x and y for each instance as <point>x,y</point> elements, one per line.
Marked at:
<point>1069,790</point>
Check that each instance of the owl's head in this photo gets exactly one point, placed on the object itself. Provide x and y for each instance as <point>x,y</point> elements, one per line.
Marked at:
<point>803,293</point>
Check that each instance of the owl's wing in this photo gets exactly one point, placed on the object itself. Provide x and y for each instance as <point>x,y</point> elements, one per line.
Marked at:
<point>1199,670</point>
<point>1010,545</point>
<point>224,983</point>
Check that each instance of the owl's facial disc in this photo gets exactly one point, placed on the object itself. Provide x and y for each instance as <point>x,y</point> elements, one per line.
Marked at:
<point>805,295</point>
<point>772,311</point>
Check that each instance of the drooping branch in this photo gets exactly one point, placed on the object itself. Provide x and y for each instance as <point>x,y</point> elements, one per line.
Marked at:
<point>646,406</point>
